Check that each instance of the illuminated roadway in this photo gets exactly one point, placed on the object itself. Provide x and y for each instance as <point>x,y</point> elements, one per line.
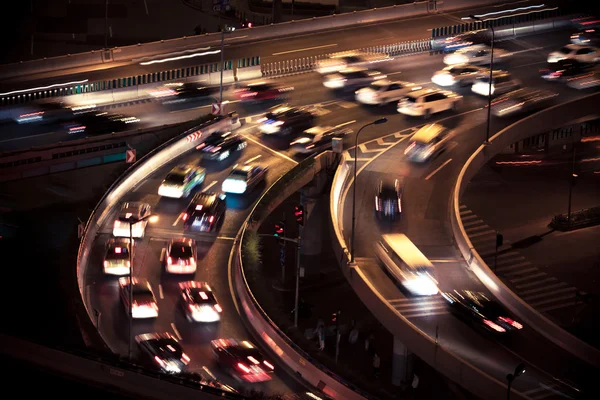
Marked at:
<point>421,219</point>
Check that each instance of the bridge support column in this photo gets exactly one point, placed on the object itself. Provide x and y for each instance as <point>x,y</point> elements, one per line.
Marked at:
<point>402,364</point>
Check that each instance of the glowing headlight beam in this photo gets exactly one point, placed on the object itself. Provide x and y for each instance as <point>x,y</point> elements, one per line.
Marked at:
<point>44,87</point>
<point>180,57</point>
<point>509,11</point>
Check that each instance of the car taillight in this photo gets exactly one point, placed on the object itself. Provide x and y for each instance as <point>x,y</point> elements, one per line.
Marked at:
<point>268,364</point>
<point>410,147</point>
<point>378,203</point>
<point>211,219</point>
<point>106,264</point>
<point>184,217</point>
<point>243,367</point>
<point>511,322</point>
<point>218,308</point>
<point>494,326</point>
<point>159,361</point>
<point>169,260</point>
<point>185,358</point>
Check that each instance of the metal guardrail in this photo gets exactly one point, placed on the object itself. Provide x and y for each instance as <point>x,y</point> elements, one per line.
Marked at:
<point>296,359</point>
<point>579,219</point>
<point>545,120</point>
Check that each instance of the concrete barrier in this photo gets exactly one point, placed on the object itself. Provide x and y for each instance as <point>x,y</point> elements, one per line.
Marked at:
<point>436,355</point>
<point>543,121</point>
<point>126,54</point>
<point>296,361</point>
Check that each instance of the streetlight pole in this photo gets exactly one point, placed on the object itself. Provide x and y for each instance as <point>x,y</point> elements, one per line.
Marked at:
<point>572,180</point>
<point>376,122</point>
<point>296,301</point>
<point>106,24</point>
<point>519,370</point>
<point>226,28</point>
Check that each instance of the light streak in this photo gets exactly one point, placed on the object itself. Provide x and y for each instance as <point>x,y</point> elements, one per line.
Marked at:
<point>180,57</point>
<point>44,87</point>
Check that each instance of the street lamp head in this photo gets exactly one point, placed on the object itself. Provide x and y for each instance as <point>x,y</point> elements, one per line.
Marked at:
<point>380,121</point>
<point>229,28</point>
<point>519,370</point>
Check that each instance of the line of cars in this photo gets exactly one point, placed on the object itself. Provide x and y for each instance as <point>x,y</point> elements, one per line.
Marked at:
<point>196,299</point>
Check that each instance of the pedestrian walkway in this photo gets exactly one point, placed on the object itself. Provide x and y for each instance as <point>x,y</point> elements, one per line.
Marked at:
<point>543,292</point>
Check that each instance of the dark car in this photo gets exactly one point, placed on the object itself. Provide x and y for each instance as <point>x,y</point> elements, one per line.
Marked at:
<point>205,212</point>
<point>317,139</point>
<point>451,43</point>
<point>521,101</point>
<point>164,350</point>
<point>100,124</point>
<point>263,91</point>
<point>564,70</point>
<point>242,360</point>
<point>388,200</point>
<point>180,256</point>
<point>198,302</point>
<point>184,92</point>
<point>587,37</point>
<point>285,119</point>
<point>220,145</point>
<point>46,113</point>
<point>478,309</point>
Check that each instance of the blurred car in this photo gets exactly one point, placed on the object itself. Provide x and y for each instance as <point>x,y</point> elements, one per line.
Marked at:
<point>131,209</point>
<point>388,200</point>
<point>339,61</point>
<point>100,124</point>
<point>181,181</point>
<point>521,100</point>
<point>428,142</point>
<point>220,145</point>
<point>478,309</point>
<point>173,93</point>
<point>164,350</point>
<point>262,91</point>
<point>284,120</point>
<point>563,70</point>
<point>116,257</point>
<point>585,81</point>
<point>44,113</point>
<point>198,302</point>
<point>583,54</point>
<point>466,39</point>
<point>588,37</point>
<point>242,360</point>
<point>243,178</point>
<point>317,139</point>
<point>425,102</point>
<point>180,256</point>
<point>205,212</point>
<point>144,302</point>
<point>476,55</point>
<point>351,78</point>
<point>502,82</point>
<point>459,75</point>
<point>383,92</point>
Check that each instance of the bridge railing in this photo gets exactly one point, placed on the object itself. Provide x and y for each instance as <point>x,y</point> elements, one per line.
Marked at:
<point>545,120</point>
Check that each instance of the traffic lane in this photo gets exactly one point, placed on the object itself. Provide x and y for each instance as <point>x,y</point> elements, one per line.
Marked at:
<point>346,38</point>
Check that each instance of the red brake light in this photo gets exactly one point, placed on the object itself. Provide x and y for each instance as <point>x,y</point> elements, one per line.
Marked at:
<point>184,217</point>
<point>185,358</point>
<point>243,367</point>
<point>494,326</point>
<point>211,219</point>
<point>218,308</point>
<point>511,322</point>
<point>268,364</point>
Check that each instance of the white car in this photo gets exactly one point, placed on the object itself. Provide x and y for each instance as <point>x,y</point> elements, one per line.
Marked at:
<point>243,178</point>
<point>425,102</point>
<point>383,91</point>
<point>459,74</point>
<point>180,256</point>
<point>116,257</point>
<point>132,209</point>
<point>181,181</point>
<point>339,61</point>
<point>351,78</point>
<point>479,54</point>
<point>502,82</point>
<point>583,54</point>
<point>427,143</point>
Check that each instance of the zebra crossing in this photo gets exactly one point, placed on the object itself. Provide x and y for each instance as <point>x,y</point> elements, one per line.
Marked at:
<point>418,307</point>
<point>540,290</point>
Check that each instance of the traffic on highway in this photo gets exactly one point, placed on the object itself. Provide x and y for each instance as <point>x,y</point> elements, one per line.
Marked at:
<point>159,271</point>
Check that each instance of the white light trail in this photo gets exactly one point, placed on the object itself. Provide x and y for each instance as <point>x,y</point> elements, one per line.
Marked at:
<point>44,87</point>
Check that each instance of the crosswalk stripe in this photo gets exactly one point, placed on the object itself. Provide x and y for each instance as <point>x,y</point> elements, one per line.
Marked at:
<point>465,212</point>
<point>475,228</point>
<point>556,307</point>
<point>471,223</point>
<point>462,206</point>
<point>509,263</point>
<point>526,278</point>
<point>488,232</point>
<point>464,217</point>
<point>509,267</point>
<point>540,303</point>
<point>553,286</point>
<point>522,272</point>
<point>536,283</point>
<point>546,294</point>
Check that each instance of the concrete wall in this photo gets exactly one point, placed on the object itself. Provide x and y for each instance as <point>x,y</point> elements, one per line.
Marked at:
<point>545,120</point>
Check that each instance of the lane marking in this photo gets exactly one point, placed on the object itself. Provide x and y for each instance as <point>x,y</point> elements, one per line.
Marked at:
<point>536,283</point>
<point>440,167</point>
<point>535,304</point>
<point>305,49</point>
<point>527,65</point>
<point>162,252</point>
<point>364,149</point>
<point>176,332</point>
<point>425,314</point>
<point>253,158</point>
<point>177,220</point>
<point>525,293</point>
<point>199,107</point>
<point>226,238</point>
<point>213,183</point>
<point>270,149</point>
<point>345,123</point>
<point>546,294</point>
<point>237,37</point>
<point>160,291</point>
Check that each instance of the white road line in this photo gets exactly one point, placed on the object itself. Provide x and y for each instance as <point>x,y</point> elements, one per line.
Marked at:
<point>550,392</point>
<point>425,314</point>
<point>488,232</point>
<point>345,123</point>
<point>476,228</point>
<point>530,291</point>
<point>176,331</point>
<point>526,278</point>
<point>556,307</point>
<point>270,149</point>
<point>225,238</point>
<point>464,217</point>
<point>465,212</point>
<point>536,283</point>
<point>462,206</point>
<point>443,260</point>
<point>253,158</point>
<point>512,266</point>
<point>382,143</point>
<point>177,220</point>
<point>162,252</point>
<point>530,64</point>
<point>546,294</point>
<point>522,271</point>
<point>199,107</point>
<point>364,149</point>
<point>213,183</point>
<point>438,168</point>
<point>237,37</point>
<point>305,49</point>
<point>539,303</point>
<point>479,221</point>
<point>160,292</point>
<point>359,159</point>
